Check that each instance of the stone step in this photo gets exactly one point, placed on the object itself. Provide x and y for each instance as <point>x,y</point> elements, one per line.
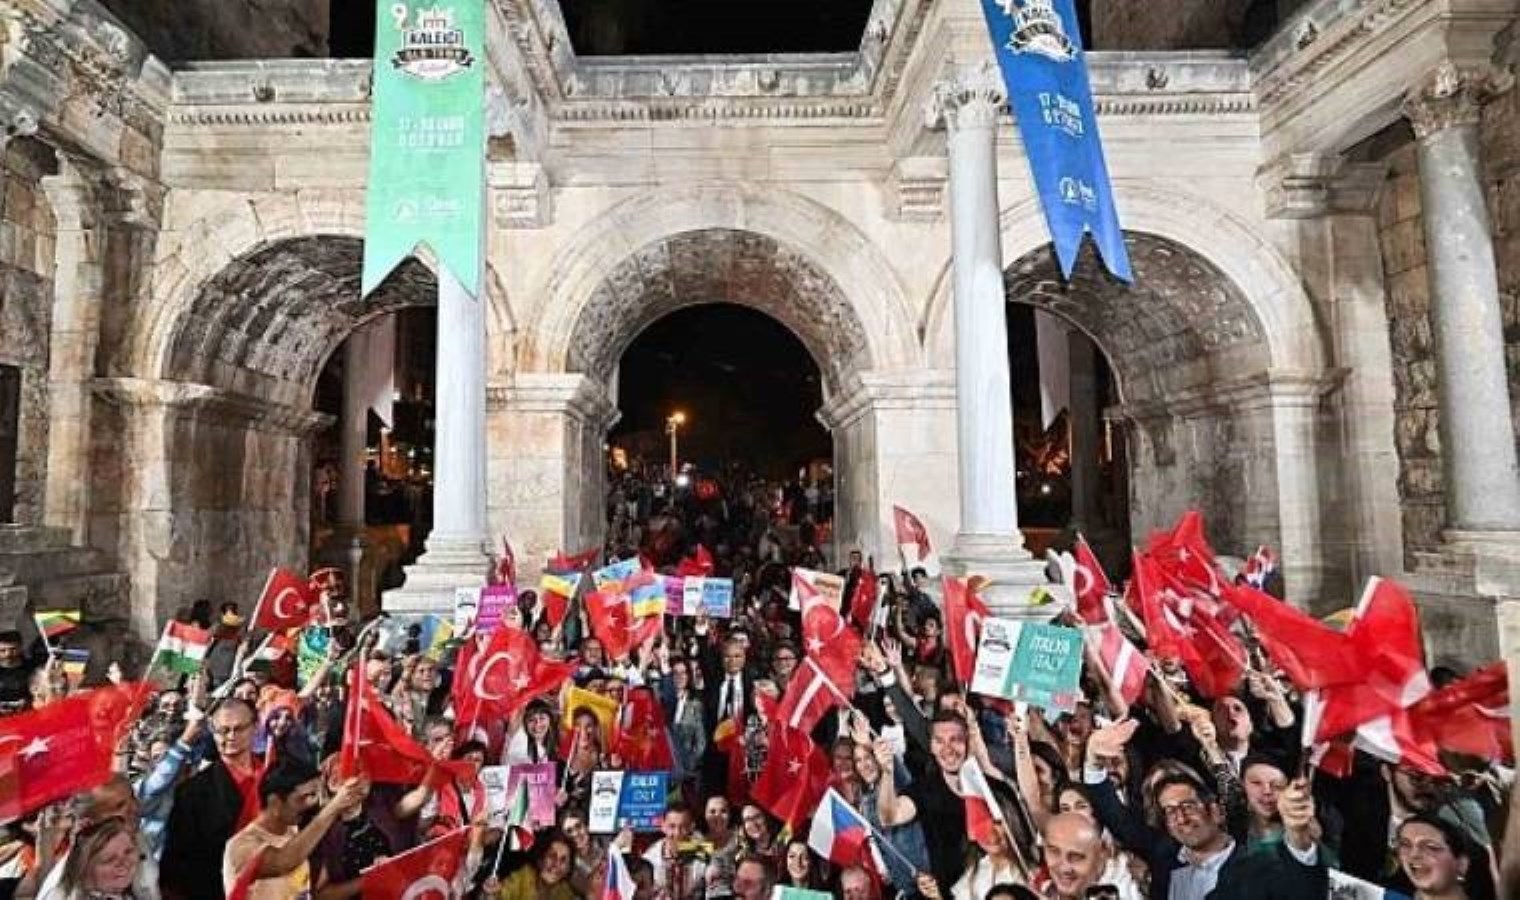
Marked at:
<point>31,538</point>
<point>54,563</point>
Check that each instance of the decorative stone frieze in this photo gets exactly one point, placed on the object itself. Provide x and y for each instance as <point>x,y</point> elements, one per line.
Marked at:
<point>916,188</point>
<point>1307,185</point>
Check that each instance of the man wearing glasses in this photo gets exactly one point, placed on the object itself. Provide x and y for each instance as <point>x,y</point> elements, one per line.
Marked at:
<point>213,805</point>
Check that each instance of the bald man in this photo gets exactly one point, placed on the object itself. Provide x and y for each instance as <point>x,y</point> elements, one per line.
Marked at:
<point>1074,854</point>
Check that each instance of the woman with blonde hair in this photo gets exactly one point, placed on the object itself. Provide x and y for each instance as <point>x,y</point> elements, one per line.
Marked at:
<point>102,865</point>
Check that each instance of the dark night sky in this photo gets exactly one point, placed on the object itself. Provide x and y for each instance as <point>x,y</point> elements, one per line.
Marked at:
<point>747,385</point>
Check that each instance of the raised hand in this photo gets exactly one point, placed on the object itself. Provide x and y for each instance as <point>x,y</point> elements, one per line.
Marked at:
<point>1109,741</point>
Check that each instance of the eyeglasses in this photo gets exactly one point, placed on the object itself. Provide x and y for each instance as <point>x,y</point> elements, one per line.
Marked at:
<point>1188,808</point>
<point>232,730</point>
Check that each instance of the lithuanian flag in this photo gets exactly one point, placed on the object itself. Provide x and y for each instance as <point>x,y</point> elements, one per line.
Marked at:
<point>57,623</point>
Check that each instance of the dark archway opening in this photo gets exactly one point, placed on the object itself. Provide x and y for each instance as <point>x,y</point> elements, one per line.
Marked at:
<point>1061,384</point>
<point>747,391</point>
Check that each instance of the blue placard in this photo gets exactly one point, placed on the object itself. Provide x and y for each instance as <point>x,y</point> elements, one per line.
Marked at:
<point>718,597</point>
<point>642,801</point>
<point>1039,49</point>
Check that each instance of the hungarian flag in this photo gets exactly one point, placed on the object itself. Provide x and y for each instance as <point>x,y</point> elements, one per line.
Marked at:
<point>560,564</point>
<point>1311,654</point>
<point>288,601</point>
<point>63,748</point>
<point>183,648</point>
<point>437,870</point>
<point>699,564</point>
<point>911,532</point>
<point>504,675</point>
<point>795,777</point>
<point>375,744</point>
<point>57,623</point>
<point>1126,665</point>
<point>1469,716</point>
<point>983,814</point>
<point>863,604</point>
<point>964,614</point>
<point>640,737</point>
<point>1092,585</point>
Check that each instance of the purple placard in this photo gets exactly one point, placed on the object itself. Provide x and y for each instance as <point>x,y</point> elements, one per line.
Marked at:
<point>541,787</point>
<point>674,592</point>
<point>494,599</point>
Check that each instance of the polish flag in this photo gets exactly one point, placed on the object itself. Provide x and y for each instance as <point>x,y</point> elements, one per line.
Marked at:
<point>983,814</point>
<point>1126,665</point>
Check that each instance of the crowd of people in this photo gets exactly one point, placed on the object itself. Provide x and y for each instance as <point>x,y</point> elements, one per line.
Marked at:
<point>239,778</point>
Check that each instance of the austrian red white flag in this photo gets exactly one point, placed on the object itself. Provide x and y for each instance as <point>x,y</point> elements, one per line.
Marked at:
<point>911,533</point>
<point>437,870</point>
<point>1126,665</point>
<point>964,614</point>
<point>288,601</point>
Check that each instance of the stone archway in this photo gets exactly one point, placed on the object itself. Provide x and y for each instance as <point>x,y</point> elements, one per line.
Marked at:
<point>669,272</point>
<point>218,428</point>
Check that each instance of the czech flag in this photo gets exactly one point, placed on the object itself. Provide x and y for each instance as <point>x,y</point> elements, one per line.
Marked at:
<point>619,884</point>
<point>839,832</point>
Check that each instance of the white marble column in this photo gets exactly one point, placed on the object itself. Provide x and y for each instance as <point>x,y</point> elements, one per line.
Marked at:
<point>457,554</point>
<point>1477,437</point>
<point>968,102</point>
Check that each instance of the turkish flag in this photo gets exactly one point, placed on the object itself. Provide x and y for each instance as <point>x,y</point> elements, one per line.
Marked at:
<point>612,621</point>
<point>832,644</point>
<point>1179,629</point>
<point>1469,716</point>
<point>795,776</point>
<point>863,604</point>
<point>288,601</point>
<point>911,531</point>
<point>561,564</point>
<point>640,737</point>
<point>699,564</point>
<point>1312,654</point>
<point>63,748</point>
<point>375,744</point>
<point>506,567</point>
<point>1184,553</point>
<point>437,870</point>
<point>964,614</point>
<point>1092,585</point>
<point>504,675</point>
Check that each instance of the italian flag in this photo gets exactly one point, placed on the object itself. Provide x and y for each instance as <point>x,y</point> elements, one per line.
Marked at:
<point>183,648</point>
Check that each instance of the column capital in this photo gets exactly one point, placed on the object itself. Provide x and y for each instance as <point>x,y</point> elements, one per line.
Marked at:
<point>1452,96</point>
<point>967,96</point>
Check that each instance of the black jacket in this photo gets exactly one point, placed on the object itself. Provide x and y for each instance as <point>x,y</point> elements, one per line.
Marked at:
<point>203,820</point>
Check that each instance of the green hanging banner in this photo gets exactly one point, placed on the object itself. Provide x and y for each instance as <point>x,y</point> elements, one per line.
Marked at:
<point>427,138</point>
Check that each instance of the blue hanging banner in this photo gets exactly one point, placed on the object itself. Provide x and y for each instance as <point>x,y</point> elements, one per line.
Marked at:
<point>1039,49</point>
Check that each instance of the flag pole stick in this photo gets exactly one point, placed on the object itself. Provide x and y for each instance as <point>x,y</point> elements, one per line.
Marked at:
<point>506,833</point>
<point>883,841</point>
<point>42,633</point>
<point>241,667</point>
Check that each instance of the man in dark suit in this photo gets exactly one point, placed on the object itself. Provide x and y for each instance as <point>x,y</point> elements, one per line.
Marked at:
<point>209,808</point>
<point>728,692</point>
<point>1195,858</point>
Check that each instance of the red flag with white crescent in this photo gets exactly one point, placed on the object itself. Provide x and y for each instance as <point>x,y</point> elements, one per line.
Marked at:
<point>437,870</point>
<point>288,601</point>
<point>964,614</point>
<point>1092,585</point>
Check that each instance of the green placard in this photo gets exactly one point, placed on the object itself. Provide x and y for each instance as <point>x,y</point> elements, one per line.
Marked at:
<point>427,138</point>
<point>1047,666</point>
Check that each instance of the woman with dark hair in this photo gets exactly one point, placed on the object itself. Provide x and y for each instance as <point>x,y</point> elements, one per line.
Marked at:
<point>799,868</point>
<point>102,864</point>
<point>459,802</point>
<point>1437,861</point>
<point>546,878</point>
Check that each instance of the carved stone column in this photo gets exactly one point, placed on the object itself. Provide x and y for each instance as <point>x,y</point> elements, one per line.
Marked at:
<point>988,541</point>
<point>1477,437</point>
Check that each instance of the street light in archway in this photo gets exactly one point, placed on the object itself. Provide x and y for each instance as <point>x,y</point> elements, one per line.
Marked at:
<point>673,427</point>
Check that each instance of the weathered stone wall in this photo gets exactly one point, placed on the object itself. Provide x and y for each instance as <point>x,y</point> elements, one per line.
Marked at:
<point>1416,405</point>
<point>26,302</point>
<point>186,30</point>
